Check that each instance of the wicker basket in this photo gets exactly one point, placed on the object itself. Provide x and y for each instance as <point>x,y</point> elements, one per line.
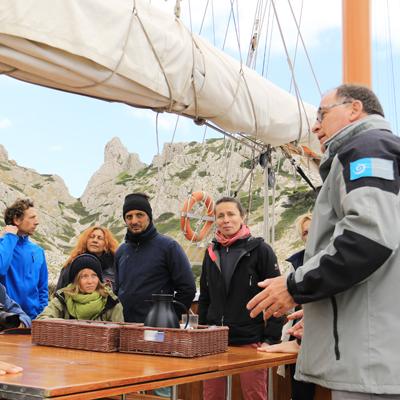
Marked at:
<point>77,334</point>
<point>173,342</point>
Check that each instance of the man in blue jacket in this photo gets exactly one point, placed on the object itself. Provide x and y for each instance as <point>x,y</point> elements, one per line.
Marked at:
<point>10,306</point>
<point>149,262</point>
<point>23,268</point>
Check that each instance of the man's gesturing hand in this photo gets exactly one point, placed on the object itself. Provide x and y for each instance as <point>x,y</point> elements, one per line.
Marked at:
<point>274,300</point>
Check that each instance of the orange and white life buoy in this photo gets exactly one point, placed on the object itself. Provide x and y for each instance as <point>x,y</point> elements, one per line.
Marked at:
<point>208,218</point>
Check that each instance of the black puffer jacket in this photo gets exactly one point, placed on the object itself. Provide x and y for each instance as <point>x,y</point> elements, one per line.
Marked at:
<point>255,261</point>
<point>107,266</point>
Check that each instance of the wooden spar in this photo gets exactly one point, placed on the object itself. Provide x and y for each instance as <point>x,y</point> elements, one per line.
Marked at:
<point>356,42</point>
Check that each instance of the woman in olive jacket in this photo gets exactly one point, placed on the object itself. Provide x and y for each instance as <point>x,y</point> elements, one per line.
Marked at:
<point>86,297</point>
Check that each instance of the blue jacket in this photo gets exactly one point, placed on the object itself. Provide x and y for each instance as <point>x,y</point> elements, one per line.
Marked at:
<point>23,271</point>
<point>154,264</point>
<point>11,306</point>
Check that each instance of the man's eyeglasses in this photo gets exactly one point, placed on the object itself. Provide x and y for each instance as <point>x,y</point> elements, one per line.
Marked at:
<point>323,110</point>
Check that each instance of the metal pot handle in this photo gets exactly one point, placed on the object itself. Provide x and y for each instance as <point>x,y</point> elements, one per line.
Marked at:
<point>186,311</point>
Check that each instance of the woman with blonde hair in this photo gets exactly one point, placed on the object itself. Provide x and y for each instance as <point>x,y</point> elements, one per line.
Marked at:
<point>85,297</point>
<point>300,390</point>
<point>303,223</point>
<point>98,241</point>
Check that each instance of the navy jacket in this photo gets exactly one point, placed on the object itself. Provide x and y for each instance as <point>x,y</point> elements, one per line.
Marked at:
<point>11,306</point>
<point>297,259</point>
<point>154,264</point>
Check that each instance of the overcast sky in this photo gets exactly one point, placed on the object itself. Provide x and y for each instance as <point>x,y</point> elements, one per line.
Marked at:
<point>65,134</point>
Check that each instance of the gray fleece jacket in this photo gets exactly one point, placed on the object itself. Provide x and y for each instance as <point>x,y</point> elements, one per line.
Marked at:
<point>349,283</point>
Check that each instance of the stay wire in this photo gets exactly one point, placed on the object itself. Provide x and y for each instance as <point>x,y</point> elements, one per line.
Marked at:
<point>254,37</point>
<point>300,36</point>
<point>261,30</point>
<point>268,40</point>
<point>392,64</point>
<point>236,26</point>
<point>300,103</point>
<point>204,16</point>
<point>297,38</point>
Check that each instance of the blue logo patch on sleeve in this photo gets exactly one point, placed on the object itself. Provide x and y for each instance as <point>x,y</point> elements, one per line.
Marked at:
<point>373,168</point>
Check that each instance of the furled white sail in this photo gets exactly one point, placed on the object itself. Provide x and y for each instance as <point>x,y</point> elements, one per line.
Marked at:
<point>131,52</point>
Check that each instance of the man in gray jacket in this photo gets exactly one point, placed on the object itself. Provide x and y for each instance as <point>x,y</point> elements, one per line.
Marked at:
<point>349,283</point>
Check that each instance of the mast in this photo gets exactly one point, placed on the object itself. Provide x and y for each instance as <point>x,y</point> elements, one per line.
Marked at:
<point>356,42</point>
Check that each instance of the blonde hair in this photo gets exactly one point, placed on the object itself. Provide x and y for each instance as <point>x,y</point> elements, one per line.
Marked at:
<point>110,242</point>
<point>74,288</point>
<point>300,222</point>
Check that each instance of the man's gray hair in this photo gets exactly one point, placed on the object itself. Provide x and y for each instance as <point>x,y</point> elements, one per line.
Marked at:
<point>368,98</point>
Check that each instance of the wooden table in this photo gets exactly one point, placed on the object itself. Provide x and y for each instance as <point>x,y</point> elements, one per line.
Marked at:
<point>55,373</point>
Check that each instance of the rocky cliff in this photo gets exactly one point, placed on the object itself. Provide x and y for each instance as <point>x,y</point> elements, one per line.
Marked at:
<point>218,166</point>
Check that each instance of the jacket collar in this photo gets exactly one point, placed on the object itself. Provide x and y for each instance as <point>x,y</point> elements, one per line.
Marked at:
<point>23,239</point>
<point>148,234</point>
<point>359,127</point>
<point>247,245</point>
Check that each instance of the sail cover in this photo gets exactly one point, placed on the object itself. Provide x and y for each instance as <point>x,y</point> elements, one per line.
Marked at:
<point>131,52</point>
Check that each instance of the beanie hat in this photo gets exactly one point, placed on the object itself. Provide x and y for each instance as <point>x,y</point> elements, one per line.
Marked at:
<point>85,261</point>
<point>137,201</point>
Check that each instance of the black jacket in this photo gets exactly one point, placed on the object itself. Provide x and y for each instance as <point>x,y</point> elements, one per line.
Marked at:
<point>107,266</point>
<point>255,262</point>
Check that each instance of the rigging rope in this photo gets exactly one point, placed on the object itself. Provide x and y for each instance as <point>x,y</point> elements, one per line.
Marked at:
<point>254,38</point>
<point>266,232</point>
<point>392,65</point>
<point>164,167</point>
<point>268,39</point>
<point>297,168</point>
<point>300,36</point>
<point>196,105</point>
<point>300,103</point>
<point>204,16</point>
<point>228,153</point>
<point>213,20</point>
<point>171,101</point>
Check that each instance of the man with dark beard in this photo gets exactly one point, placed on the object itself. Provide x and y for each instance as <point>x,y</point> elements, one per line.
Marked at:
<point>149,262</point>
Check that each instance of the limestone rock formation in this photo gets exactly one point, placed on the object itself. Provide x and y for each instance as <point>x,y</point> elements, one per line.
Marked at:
<point>219,167</point>
<point>118,165</point>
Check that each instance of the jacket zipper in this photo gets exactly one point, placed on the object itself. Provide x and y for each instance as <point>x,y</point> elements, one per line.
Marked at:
<point>222,321</point>
<point>335,328</point>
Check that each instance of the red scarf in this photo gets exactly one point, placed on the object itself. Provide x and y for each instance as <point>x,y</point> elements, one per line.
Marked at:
<point>242,233</point>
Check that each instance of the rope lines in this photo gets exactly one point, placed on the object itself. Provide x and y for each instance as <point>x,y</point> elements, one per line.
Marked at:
<point>300,37</point>
<point>391,64</point>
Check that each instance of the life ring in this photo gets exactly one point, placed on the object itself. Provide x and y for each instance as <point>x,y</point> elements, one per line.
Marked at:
<point>197,197</point>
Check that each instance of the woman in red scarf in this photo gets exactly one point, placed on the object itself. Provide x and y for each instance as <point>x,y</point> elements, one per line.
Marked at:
<point>233,265</point>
